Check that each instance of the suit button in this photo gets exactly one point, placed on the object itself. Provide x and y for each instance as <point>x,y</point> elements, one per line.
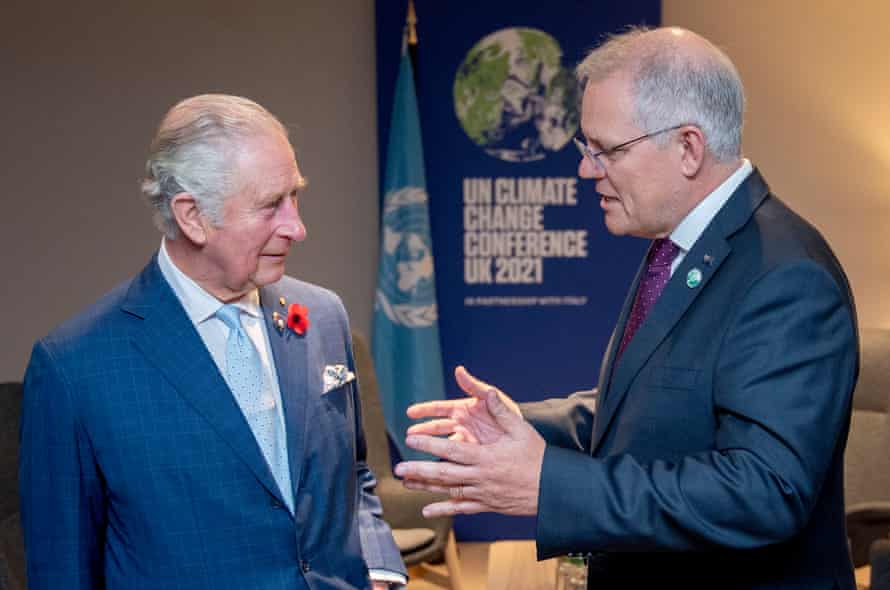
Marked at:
<point>275,503</point>
<point>304,565</point>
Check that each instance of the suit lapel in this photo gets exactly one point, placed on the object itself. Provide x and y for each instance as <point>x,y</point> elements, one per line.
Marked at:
<point>608,364</point>
<point>170,342</point>
<point>290,354</point>
<point>677,297</point>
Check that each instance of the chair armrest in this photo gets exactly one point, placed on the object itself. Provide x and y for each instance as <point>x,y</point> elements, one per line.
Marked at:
<point>866,523</point>
<point>877,510</point>
<point>402,507</point>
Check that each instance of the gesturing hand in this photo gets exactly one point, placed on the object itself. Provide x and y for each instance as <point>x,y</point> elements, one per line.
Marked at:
<point>492,458</point>
<point>465,419</point>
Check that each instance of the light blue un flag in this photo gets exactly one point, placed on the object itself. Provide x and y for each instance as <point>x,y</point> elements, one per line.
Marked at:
<point>406,349</point>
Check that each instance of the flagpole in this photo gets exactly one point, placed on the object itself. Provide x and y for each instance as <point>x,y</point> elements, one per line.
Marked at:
<point>410,38</point>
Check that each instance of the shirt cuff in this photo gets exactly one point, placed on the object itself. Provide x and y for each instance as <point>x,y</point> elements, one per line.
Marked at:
<point>395,579</point>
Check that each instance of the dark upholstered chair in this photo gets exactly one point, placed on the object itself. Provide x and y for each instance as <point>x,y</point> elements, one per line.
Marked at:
<point>867,460</point>
<point>879,559</point>
<point>12,547</point>
<point>420,540</point>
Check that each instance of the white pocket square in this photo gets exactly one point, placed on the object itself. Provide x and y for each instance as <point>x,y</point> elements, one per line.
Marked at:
<point>336,376</point>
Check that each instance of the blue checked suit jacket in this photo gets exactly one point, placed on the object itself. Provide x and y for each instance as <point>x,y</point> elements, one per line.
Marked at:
<point>139,471</point>
<point>713,455</point>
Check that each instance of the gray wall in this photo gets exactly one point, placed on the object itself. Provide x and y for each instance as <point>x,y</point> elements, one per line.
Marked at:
<point>84,86</point>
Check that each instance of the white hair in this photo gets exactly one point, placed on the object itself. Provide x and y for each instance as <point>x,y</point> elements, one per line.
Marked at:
<point>673,86</point>
<point>194,151</point>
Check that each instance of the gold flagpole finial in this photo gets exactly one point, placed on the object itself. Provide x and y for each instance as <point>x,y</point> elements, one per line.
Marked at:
<point>412,24</point>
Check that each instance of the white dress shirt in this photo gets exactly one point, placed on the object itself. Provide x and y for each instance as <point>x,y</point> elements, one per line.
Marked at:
<point>693,225</point>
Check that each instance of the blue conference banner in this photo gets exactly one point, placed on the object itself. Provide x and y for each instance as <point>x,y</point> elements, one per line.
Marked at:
<point>529,282</point>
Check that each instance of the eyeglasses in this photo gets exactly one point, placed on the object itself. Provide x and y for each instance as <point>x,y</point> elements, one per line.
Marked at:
<point>604,157</point>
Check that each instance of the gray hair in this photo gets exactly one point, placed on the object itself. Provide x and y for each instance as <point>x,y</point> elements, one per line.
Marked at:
<point>194,151</point>
<point>672,85</point>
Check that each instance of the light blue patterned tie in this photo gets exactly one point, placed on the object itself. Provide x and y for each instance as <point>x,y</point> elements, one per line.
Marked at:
<point>244,374</point>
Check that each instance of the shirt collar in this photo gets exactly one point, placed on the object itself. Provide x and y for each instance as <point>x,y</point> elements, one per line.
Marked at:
<point>694,224</point>
<point>199,304</point>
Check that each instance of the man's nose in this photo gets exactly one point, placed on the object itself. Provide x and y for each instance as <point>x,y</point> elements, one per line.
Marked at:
<point>292,226</point>
<point>588,168</point>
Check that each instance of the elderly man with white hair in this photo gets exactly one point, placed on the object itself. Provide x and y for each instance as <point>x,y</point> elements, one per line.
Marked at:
<point>199,426</point>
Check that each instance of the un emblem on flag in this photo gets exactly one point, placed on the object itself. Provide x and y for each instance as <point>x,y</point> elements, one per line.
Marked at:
<point>406,290</point>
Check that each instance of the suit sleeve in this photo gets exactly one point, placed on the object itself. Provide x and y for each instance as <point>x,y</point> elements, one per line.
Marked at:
<point>564,422</point>
<point>378,546</point>
<point>782,392</point>
<point>62,496</point>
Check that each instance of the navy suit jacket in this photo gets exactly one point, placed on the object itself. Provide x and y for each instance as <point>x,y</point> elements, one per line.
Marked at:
<point>710,455</point>
<point>138,469</point>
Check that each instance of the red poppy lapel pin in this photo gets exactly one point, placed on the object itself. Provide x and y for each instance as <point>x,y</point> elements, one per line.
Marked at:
<point>297,317</point>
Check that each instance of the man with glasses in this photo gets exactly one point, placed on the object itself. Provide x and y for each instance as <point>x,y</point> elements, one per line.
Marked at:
<point>710,454</point>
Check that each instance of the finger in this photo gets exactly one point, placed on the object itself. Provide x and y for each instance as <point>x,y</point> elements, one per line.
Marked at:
<point>503,415</point>
<point>434,427</point>
<point>436,472</point>
<point>464,435</point>
<point>464,492</point>
<point>449,449</point>
<point>457,436</point>
<point>457,493</point>
<point>413,484</point>
<point>452,507</point>
<point>433,409</point>
<point>506,418</point>
<point>470,385</point>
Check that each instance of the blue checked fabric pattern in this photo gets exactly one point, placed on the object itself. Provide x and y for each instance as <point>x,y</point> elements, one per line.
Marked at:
<point>244,374</point>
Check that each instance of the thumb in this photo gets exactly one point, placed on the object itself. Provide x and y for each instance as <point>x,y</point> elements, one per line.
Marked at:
<point>471,386</point>
<point>506,417</point>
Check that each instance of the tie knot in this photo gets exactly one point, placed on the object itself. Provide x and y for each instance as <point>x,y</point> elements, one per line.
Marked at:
<point>230,315</point>
<point>663,252</point>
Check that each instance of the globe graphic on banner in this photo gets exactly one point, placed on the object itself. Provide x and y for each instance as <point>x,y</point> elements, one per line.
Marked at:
<point>513,97</point>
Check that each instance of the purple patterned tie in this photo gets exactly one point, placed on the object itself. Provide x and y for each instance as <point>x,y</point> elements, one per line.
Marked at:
<point>655,277</point>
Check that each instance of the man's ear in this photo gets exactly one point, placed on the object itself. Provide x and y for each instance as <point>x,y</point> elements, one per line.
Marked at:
<point>692,144</point>
<point>188,217</point>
